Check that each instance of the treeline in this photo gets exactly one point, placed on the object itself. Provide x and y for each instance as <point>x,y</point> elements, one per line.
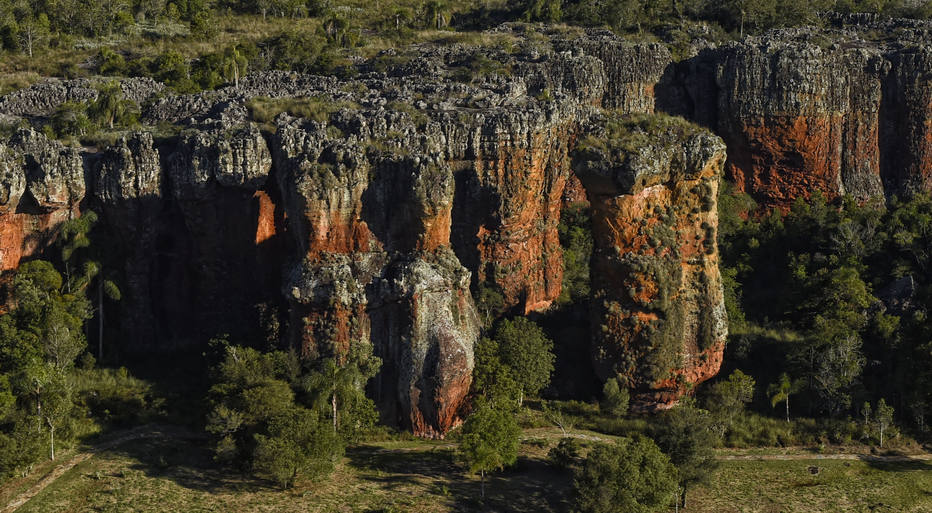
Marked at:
<point>30,25</point>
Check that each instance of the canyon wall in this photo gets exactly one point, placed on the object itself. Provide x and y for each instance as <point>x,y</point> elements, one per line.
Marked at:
<point>405,194</point>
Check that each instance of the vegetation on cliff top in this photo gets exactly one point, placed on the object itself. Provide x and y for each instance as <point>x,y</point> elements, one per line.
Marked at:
<point>200,44</point>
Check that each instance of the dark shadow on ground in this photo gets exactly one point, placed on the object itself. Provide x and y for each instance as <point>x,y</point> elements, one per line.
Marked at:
<point>910,465</point>
<point>531,485</point>
<point>188,463</point>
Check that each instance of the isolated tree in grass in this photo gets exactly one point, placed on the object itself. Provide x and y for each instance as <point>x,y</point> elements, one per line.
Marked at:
<point>631,475</point>
<point>883,418</point>
<point>687,435</point>
<point>781,392</point>
<point>728,398</point>
<point>249,389</point>
<point>527,351</point>
<point>297,442</point>
<point>54,405</point>
<point>489,441</point>
<point>615,398</point>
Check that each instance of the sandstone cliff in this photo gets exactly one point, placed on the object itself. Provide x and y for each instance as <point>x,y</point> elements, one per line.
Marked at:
<point>374,217</point>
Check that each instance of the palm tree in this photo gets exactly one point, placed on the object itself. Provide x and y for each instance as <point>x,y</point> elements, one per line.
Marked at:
<point>781,392</point>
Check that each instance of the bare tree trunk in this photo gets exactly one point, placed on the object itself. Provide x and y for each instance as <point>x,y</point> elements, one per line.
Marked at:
<point>482,484</point>
<point>51,441</point>
<point>787,407</point>
<point>333,405</point>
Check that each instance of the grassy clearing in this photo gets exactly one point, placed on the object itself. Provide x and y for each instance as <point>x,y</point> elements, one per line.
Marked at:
<point>423,475</point>
<point>178,475</point>
<point>840,486</point>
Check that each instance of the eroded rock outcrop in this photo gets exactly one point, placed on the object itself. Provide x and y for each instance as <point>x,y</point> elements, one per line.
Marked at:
<point>41,183</point>
<point>376,270</point>
<point>438,173</point>
<point>805,110</point>
<point>657,307</point>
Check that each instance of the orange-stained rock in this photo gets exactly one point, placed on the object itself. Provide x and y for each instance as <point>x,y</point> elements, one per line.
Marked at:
<point>658,311</point>
<point>41,185</point>
<point>506,227</point>
<point>798,118</point>
<point>782,159</point>
<point>376,272</point>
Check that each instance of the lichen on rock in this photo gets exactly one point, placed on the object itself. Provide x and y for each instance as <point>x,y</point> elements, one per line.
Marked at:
<point>657,306</point>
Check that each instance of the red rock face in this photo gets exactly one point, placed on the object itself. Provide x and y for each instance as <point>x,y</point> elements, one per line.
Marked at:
<point>25,235</point>
<point>798,118</point>
<point>787,158</point>
<point>517,247</point>
<point>658,311</point>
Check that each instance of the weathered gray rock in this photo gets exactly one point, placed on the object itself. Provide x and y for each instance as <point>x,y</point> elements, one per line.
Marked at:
<point>12,179</point>
<point>54,172</point>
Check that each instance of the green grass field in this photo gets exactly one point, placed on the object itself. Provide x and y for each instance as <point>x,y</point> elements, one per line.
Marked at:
<point>158,475</point>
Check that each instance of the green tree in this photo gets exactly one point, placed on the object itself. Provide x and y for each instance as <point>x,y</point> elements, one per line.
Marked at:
<point>249,389</point>
<point>436,14</point>
<point>489,441</point>
<point>74,236</point>
<point>492,378</point>
<point>234,65</point>
<point>296,442</point>
<point>687,435</point>
<point>526,350</point>
<point>547,11</point>
<point>615,397</point>
<point>111,109</point>
<point>728,398</point>
<point>631,475</point>
<point>340,389</point>
<point>883,417</point>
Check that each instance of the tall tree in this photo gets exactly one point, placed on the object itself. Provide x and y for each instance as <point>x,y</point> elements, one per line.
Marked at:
<point>728,398</point>
<point>687,435</point>
<point>781,392</point>
<point>883,417</point>
<point>340,388</point>
<point>75,239</point>
<point>489,441</point>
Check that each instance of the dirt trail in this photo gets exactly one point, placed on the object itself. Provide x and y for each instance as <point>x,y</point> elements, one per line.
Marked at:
<point>147,431</point>
<point>875,458</point>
